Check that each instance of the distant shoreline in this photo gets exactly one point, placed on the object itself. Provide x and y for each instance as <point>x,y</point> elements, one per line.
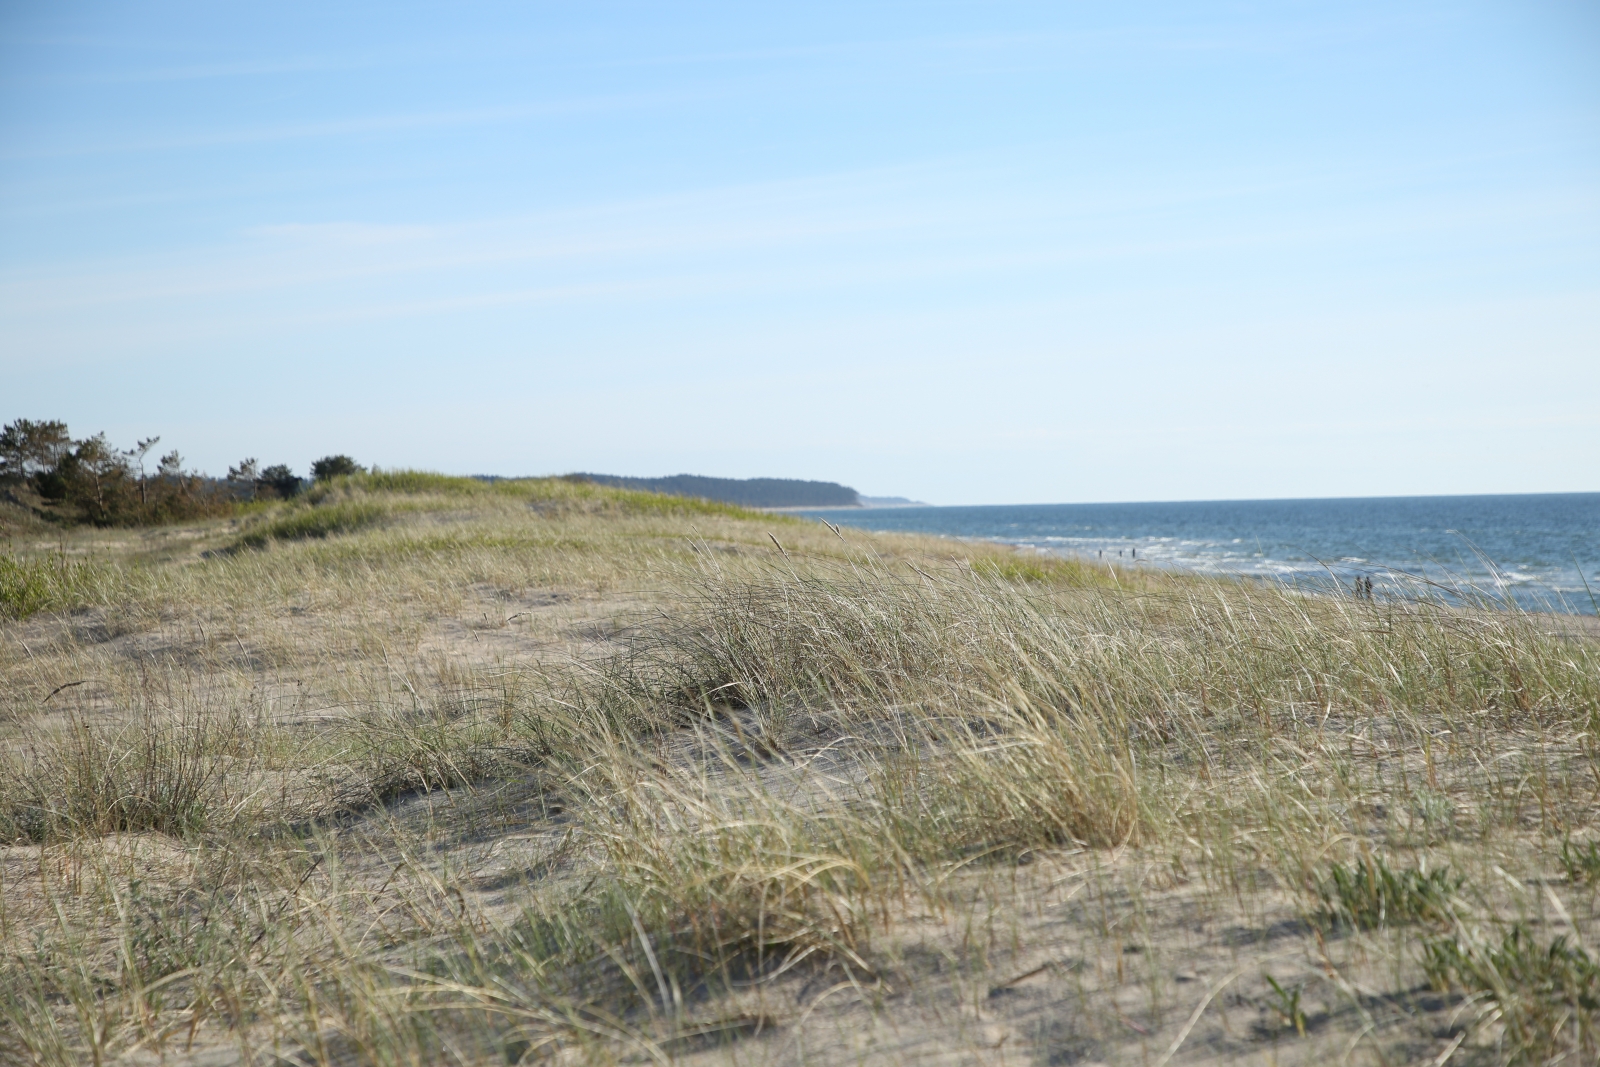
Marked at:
<point>849,507</point>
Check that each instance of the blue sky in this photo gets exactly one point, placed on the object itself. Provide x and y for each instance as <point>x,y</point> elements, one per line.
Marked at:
<point>971,253</point>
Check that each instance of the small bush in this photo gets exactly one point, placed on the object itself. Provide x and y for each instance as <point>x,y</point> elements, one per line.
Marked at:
<point>1370,894</point>
<point>278,480</point>
<point>1547,996</point>
<point>329,467</point>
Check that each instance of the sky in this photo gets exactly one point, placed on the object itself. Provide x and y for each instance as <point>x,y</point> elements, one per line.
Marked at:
<point>969,253</point>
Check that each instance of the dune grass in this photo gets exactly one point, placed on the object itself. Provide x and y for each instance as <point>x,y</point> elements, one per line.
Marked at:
<point>31,584</point>
<point>438,771</point>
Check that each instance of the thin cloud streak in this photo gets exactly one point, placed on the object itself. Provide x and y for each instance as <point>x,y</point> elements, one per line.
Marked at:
<point>83,339</point>
<point>369,124</point>
<point>638,236</point>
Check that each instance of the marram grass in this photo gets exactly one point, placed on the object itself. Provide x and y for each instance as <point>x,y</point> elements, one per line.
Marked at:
<point>440,771</point>
<point>31,584</point>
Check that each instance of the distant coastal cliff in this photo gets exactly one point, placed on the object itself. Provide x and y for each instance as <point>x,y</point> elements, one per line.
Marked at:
<point>746,492</point>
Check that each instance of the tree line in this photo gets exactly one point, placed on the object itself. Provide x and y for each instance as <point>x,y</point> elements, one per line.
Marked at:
<point>89,480</point>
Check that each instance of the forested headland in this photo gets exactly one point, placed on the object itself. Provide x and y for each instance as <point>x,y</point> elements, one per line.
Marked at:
<point>745,492</point>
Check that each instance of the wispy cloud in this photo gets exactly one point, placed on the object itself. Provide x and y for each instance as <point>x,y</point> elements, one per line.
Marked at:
<point>865,228</point>
<point>366,124</point>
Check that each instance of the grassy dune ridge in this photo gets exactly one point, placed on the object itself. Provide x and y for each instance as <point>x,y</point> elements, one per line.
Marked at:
<point>424,770</point>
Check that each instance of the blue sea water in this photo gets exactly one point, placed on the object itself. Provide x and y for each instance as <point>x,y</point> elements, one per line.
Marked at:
<point>1536,550</point>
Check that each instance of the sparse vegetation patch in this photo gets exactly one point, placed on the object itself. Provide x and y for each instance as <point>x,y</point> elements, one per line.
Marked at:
<point>1369,894</point>
<point>1542,995</point>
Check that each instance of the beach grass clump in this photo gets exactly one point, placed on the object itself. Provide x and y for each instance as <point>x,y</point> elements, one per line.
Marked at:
<point>316,520</point>
<point>176,772</point>
<point>411,482</point>
<point>1581,861</point>
<point>1369,894</point>
<point>392,751</point>
<point>683,891</point>
<point>1035,777</point>
<point>866,635</point>
<point>739,876</point>
<point>1040,570</point>
<point>1541,994</point>
<point>1029,718</point>
<point>213,767</point>
<point>1166,660</point>
<point>680,916</point>
<point>565,495</point>
<point>143,941</point>
<point>31,584</point>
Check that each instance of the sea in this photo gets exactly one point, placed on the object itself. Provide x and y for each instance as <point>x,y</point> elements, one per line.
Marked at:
<point>1537,551</point>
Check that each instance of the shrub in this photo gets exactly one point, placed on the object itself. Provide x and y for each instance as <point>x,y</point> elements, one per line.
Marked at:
<point>280,480</point>
<point>334,467</point>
